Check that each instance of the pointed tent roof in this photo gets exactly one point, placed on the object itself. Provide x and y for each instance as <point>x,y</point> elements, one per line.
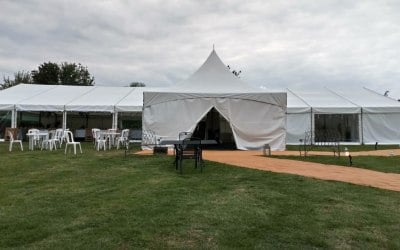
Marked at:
<point>213,77</point>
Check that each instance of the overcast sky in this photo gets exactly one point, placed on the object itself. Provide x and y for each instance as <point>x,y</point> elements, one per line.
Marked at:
<point>276,44</point>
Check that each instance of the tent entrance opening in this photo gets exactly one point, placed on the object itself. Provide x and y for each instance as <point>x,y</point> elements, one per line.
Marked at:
<point>214,126</point>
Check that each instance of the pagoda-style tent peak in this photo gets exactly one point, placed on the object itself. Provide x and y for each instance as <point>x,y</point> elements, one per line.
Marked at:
<point>213,77</point>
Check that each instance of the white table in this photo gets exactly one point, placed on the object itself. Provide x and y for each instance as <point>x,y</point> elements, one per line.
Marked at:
<point>111,136</point>
<point>40,136</point>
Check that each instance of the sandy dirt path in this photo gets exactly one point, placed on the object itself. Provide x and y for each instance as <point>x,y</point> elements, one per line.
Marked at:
<point>359,176</point>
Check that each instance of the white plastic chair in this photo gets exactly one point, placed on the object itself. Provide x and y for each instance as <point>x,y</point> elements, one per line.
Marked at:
<point>51,141</point>
<point>123,139</point>
<point>94,135</point>
<point>12,141</point>
<point>34,138</point>
<point>58,137</point>
<point>101,140</point>
<point>47,142</point>
<point>64,136</point>
<point>70,141</point>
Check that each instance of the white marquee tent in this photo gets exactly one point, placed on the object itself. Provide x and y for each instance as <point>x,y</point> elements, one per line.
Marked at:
<point>369,116</point>
<point>255,118</point>
<point>366,116</point>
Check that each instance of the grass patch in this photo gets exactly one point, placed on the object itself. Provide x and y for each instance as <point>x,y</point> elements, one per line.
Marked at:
<point>387,164</point>
<point>351,148</point>
<point>103,200</point>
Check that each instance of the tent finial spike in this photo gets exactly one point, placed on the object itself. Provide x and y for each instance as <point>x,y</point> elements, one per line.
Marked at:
<point>213,47</point>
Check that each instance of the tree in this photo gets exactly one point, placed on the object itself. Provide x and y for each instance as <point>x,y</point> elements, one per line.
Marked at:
<point>19,77</point>
<point>137,84</point>
<point>64,74</point>
<point>75,74</point>
<point>47,73</point>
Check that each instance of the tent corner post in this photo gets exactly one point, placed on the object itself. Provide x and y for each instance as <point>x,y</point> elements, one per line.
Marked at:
<point>14,115</point>
<point>64,122</point>
<point>115,120</point>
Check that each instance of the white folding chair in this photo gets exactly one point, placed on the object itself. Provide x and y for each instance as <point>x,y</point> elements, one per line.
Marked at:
<point>47,142</point>
<point>12,141</point>
<point>123,139</point>
<point>58,137</point>
<point>101,140</point>
<point>94,135</point>
<point>70,141</point>
<point>34,138</point>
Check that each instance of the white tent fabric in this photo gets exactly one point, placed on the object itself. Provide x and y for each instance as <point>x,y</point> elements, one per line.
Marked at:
<point>324,101</point>
<point>255,118</point>
<point>304,104</point>
<point>53,99</point>
<point>253,122</point>
<point>379,115</point>
<point>213,77</point>
<point>11,96</point>
<point>100,99</point>
<point>298,118</point>
<point>133,102</point>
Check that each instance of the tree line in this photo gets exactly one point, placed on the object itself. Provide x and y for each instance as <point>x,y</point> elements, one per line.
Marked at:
<point>52,73</point>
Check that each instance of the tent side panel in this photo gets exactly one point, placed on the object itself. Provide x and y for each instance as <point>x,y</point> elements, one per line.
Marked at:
<point>296,126</point>
<point>381,128</point>
<point>253,123</point>
<point>168,119</point>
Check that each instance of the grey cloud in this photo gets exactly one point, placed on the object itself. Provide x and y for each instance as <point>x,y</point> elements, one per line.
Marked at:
<point>274,43</point>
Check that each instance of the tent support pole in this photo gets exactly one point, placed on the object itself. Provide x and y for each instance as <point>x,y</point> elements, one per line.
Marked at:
<point>14,114</point>
<point>16,119</point>
<point>12,118</point>
<point>64,121</point>
<point>362,127</point>
<point>312,125</point>
<point>115,120</point>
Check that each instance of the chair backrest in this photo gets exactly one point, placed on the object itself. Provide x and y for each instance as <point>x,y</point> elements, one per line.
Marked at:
<point>69,136</point>
<point>34,132</point>
<point>14,131</point>
<point>190,145</point>
<point>59,133</point>
<point>100,134</point>
<point>185,135</point>
<point>94,131</point>
<point>10,134</point>
<point>52,134</point>
<point>125,133</point>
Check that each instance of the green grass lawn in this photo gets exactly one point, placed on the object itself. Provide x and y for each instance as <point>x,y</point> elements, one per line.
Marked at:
<point>387,164</point>
<point>351,148</point>
<point>103,200</point>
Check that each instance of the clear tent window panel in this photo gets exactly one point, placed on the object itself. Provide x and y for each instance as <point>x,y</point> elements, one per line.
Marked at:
<point>345,126</point>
